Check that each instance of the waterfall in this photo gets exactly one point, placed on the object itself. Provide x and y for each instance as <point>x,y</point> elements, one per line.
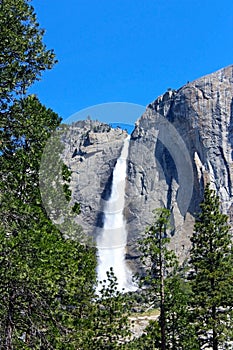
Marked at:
<point>112,239</point>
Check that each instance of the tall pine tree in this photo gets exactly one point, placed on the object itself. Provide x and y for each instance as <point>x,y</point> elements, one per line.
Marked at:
<point>212,275</point>
<point>166,290</point>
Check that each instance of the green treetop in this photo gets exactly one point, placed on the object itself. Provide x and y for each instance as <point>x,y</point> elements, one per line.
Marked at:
<point>23,55</point>
<point>166,289</point>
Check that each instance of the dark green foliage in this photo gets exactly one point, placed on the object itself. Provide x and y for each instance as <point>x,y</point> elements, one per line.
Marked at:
<point>157,260</point>
<point>67,192</point>
<point>76,208</point>
<point>45,284</point>
<point>149,340</point>
<point>25,129</point>
<point>23,56</point>
<point>155,253</point>
<point>212,274</point>
<point>110,326</point>
<point>46,281</point>
<point>66,173</point>
<point>180,334</point>
<point>166,289</point>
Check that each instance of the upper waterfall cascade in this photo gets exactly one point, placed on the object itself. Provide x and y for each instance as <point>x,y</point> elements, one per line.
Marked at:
<point>112,240</point>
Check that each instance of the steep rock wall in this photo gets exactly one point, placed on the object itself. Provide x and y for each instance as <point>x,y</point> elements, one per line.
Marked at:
<point>183,140</point>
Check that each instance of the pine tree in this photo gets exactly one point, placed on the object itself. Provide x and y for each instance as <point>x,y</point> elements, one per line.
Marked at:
<point>158,260</point>
<point>23,55</point>
<point>180,334</point>
<point>212,275</point>
<point>109,326</point>
<point>166,289</point>
<point>46,285</point>
<point>46,281</point>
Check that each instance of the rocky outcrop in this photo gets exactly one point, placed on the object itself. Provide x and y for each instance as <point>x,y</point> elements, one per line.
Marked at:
<point>183,140</point>
<point>91,151</point>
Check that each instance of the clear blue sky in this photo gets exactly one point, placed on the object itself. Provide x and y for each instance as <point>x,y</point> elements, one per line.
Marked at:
<point>129,50</point>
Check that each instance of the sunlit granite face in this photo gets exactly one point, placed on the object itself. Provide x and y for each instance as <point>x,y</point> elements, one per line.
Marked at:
<point>182,141</point>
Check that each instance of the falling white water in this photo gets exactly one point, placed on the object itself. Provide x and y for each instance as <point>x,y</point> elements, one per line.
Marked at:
<point>111,241</point>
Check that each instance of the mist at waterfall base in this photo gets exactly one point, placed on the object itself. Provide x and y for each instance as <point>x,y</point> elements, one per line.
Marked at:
<point>112,240</point>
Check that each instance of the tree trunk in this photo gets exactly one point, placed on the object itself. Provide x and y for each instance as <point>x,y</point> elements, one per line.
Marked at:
<point>9,322</point>
<point>213,309</point>
<point>162,309</point>
<point>215,339</point>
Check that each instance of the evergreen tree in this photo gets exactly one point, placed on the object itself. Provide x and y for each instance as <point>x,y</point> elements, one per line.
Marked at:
<point>109,320</point>
<point>180,334</point>
<point>157,260</point>
<point>46,285</point>
<point>23,56</point>
<point>46,281</point>
<point>212,275</point>
<point>166,289</point>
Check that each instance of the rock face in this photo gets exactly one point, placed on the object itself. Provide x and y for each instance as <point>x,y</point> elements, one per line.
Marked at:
<point>183,140</point>
<point>91,151</point>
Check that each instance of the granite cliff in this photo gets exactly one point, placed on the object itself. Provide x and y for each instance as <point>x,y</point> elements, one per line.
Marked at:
<point>91,151</point>
<point>183,140</point>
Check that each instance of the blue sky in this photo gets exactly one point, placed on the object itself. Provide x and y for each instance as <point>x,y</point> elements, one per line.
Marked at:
<point>129,50</point>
